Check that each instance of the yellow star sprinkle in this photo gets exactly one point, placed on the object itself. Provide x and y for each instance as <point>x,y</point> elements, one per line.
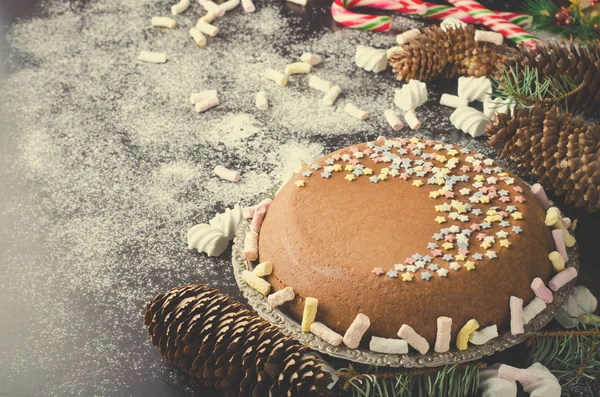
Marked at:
<point>299,183</point>
<point>385,170</point>
<point>407,276</point>
<point>452,152</point>
<point>479,178</point>
<point>469,265</point>
<point>517,215</point>
<point>505,243</point>
<point>485,245</point>
<point>503,174</point>
<point>484,199</point>
<point>367,171</point>
<point>461,209</point>
<point>414,140</point>
<point>492,212</point>
<point>434,194</point>
<point>445,171</point>
<point>349,168</point>
<point>441,159</point>
<point>438,208</point>
<point>337,167</point>
<point>382,177</point>
<point>350,177</point>
<point>417,183</point>
<point>447,246</point>
<point>440,219</point>
<point>460,257</point>
<point>440,181</point>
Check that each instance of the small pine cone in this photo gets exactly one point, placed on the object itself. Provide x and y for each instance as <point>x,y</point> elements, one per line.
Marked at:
<point>224,345</point>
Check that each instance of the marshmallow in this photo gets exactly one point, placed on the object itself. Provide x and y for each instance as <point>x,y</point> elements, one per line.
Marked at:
<point>297,68</point>
<point>419,343</point>
<point>257,219</point>
<point>451,23</point>
<point>279,78</point>
<point>198,37</point>
<point>540,290</point>
<point>393,120</point>
<point>320,84</point>
<point>390,52</point>
<point>559,241</point>
<point>180,7</point>
<point>567,222</point>
<point>256,282</point>
<point>462,340</point>
<point>207,18</point>
<point>311,59</point>
<point>412,120</point>
<point>164,22</point>
<point>405,37</point>
<point>200,96</point>
<point>213,7</point>
<point>371,59</point>
<point>326,333</point>
<point>533,308</point>
<point>300,2</point>
<point>545,384</point>
<point>229,5</point>
<point>411,95</point>
<point>248,6</point>
<point>262,103</point>
<point>263,269</point>
<point>470,121</point>
<point>207,28</point>
<point>493,386</point>
<point>539,192</point>
<point>251,246</point>
<point>205,238</point>
<point>152,57</point>
<point>387,345</point>
<point>453,101</point>
<point>474,88</point>
<point>516,315</point>
<point>224,173</point>
<point>309,314</point>
<point>484,336</point>
<point>498,105</point>
<point>442,340</point>
<point>489,37</point>
<point>354,111</point>
<point>228,221</point>
<point>207,103</point>
<point>554,218</point>
<point>280,297</point>
<point>517,374</point>
<point>356,330</point>
<point>562,278</point>
<point>332,95</point>
<point>577,307</point>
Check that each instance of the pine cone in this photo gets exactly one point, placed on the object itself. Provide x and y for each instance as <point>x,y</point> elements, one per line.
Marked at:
<point>554,148</point>
<point>576,59</point>
<point>224,345</point>
<point>435,53</point>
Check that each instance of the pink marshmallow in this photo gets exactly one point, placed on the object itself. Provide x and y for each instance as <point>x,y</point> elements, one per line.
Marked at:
<point>567,222</point>
<point>516,316</point>
<point>257,219</point>
<point>248,6</point>
<point>251,246</point>
<point>442,341</point>
<point>227,174</point>
<point>559,240</point>
<point>419,343</point>
<point>516,374</point>
<point>356,330</point>
<point>541,291</point>
<point>562,278</point>
<point>540,194</point>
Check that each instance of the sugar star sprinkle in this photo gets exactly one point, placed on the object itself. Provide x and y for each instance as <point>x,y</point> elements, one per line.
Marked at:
<point>326,175</point>
<point>407,276</point>
<point>306,174</point>
<point>350,177</point>
<point>469,265</point>
<point>478,257</point>
<point>516,215</point>
<point>373,179</point>
<point>442,272</point>
<point>315,167</point>
<point>433,267</point>
<point>399,267</point>
<point>448,257</point>
<point>378,271</point>
<point>299,183</point>
<point>426,276</point>
<point>455,266</point>
<point>491,254</point>
<point>392,274</point>
<point>464,191</point>
<point>440,219</point>
<point>367,171</point>
<point>505,243</point>
<point>517,229</point>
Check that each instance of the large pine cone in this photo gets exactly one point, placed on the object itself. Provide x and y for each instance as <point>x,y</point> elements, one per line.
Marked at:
<point>435,53</point>
<point>224,345</point>
<point>554,148</point>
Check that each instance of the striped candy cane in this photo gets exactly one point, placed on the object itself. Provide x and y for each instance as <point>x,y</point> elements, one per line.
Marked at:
<point>496,23</point>
<point>353,20</point>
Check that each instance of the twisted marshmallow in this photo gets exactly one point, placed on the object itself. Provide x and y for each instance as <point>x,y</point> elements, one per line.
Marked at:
<point>470,121</point>
<point>228,221</point>
<point>474,88</point>
<point>411,95</point>
<point>205,238</point>
<point>370,59</point>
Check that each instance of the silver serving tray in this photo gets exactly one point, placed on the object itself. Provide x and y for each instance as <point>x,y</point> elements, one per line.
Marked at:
<point>290,327</point>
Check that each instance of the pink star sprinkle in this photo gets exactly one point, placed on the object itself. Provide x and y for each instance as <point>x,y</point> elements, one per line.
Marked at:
<point>503,178</point>
<point>377,160</point>
<point>378,271</point>
<point>475,226</point>
<point>403,141</point>
<point>404,176</point>
<point>503,214</point>
<point>504,199</point>
<point>427,169</point>
<point>465,168</point>
<point>449,194</point>
<point>429,142</point>
<point>518,189</point>
<point>450,238</point>
<point>411,146</point>
<point>409,261</point>
<point>477,168</point>
<point>493,195</point>
<point>520,199</point>
<point>436,252</point>
<point>336,157</point>
<point>481,236</point>
<point>367,152</point>
<point>353,161</point>
<point>484,189</point>
<point>463,251</point>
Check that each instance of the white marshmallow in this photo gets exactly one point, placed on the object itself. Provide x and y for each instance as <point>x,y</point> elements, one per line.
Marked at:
<point>279,78</point>
<point>311,59</point>
<point>207,103</point>
<point>229,5</point>
<point>405,37</point>
<point>300,2</point>
<point>297,68</point>
<point>470,121</point>
<point>393,120</point>
<point>198,37</point>
<point>354,111</point>
<point>164,22</point>
<point>533,308</point>
<point>388,345</point>
<point>199,96</point>
<point>451,23</point>
<point>152,57</point>
<point>180,7</point>
<point>207,28</point>
<point>485,335</point>
<point>319,84</point>
<point>261,101</point>
<point>453,101</point>
<point>474,88</point>
<point>371,59</point>
<point>332,95</point>
<point>227,174</point>
<point>490,37</point>
<point>411,95</point>
<point>248,6</point>
<point>211,6</point>
<point>412,120</point>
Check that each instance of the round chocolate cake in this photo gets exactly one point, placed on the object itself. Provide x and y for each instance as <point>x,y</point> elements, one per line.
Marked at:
<point>404,232</point>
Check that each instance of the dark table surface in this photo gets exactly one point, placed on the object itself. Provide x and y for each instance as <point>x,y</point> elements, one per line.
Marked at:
<point>66,327</point>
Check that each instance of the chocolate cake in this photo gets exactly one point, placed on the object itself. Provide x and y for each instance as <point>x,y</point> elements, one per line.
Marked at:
<point>404,232</point>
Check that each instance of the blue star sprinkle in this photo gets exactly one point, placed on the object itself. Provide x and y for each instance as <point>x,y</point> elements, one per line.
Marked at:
<point>438,236</point>
<point>419,162</point>
<point>485,225</point>
<point>307,173</point>
<point>477,212</point>
<point>448,257</point>
<point>487,171</point>
<point>463,244</point>
<point>421,174</point>
<point>374,179</point>
<point>445,231</point>
<point>359,167</point>
<point>511,208</point>
<point>416,152</point>
<point>315,167</point>
<point>426,156</point>
<point>329,161</point>
<point>433,267</point>
<point>449,147</point>
<point>504,224</point>
<point>427,258</point>
<point>467,232</point>
<point>517,229</point>
<point>431,181</point>
<point>357,172</point>
<point>464,151</point>
<point>402,151</point>
<point>478,257</point>
<point>426,276</point>
<point>503,192</point>
<point>417,257</point>
<point>326,174</point>
<point>497,170</point>
<point>478,156</point>
<point>392,274</point>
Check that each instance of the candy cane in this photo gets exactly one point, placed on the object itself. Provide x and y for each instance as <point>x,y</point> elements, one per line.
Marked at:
<point>496,23</point>
<point>340,11</point>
